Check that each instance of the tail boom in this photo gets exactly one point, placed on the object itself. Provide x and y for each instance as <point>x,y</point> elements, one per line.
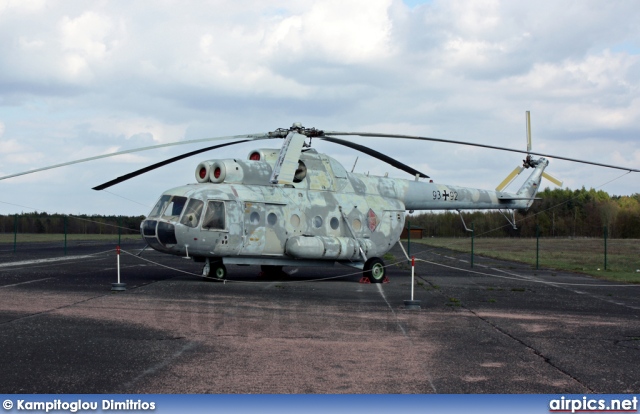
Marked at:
<point>431,196</point>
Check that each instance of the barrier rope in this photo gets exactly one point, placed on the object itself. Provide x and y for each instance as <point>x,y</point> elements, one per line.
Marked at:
<point>240,281</point>
<point>515,276</point>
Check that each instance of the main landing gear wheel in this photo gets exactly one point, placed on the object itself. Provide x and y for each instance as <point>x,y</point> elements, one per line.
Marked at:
<point>375,270</point>
<point>214,271</point>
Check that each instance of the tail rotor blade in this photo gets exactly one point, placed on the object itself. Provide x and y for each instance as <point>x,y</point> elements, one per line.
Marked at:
<point>516,172</point>
<point>552,179</point>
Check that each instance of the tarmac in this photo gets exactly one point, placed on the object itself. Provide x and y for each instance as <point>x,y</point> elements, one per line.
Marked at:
<point>499,327</point>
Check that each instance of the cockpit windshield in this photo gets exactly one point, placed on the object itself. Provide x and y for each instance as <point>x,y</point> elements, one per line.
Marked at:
<point>174,208</point>
<point>169,206</point>
<point>159,207</point>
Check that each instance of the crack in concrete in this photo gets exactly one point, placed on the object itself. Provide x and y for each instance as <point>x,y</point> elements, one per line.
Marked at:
<point>536,352</point>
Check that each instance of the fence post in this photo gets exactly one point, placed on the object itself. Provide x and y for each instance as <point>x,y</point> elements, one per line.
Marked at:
<point>605,246</point>
<point>537,246</point>
<point>473,235</point>
<point>65,235</point>
<point>15,232</point>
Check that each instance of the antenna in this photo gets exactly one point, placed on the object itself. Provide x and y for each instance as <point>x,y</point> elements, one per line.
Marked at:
<point>354,164</point>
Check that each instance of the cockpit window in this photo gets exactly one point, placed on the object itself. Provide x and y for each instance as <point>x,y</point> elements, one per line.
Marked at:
<point>193,212</point>
<point>214,217</point>
<point>174,208</point>
<point>159,207</point>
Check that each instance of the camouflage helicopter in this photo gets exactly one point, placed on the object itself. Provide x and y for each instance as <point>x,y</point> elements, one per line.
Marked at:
<point>293,206</point>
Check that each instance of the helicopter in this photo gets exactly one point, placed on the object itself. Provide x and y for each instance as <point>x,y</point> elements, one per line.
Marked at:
<point>294,206</point>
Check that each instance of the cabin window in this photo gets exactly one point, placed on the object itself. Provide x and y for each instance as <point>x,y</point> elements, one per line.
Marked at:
<point>214,218</point>
<point>295,220</point>
<point>192,214</point>
<point>334,223</point>
<point>317,222</point>
<point>272,219</point>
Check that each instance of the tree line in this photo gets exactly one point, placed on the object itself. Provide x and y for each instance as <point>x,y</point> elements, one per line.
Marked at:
<point>43,223</point>
<point>559,213</point>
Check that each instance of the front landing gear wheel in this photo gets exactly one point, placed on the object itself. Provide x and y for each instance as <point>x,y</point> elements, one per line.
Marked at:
<point>214,271</point>
<point>219,271</point>
<point>374,269</point>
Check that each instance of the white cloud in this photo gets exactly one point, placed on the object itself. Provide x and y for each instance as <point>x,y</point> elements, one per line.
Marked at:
<point>21,6</point>
<point>160,132</point>
<point>81,79</point>
<point>341,31</point>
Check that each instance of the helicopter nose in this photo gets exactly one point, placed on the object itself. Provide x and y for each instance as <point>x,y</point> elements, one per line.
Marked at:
<point>167,233</point>
<point>159,234</point>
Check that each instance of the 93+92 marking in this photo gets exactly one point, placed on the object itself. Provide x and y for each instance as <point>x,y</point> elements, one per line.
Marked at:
<point>447,196</point>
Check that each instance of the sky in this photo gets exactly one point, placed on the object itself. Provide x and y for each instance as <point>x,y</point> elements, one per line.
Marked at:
<point>80,79</point>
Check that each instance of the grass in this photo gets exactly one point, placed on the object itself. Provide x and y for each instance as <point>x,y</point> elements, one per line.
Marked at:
<point>574,255</point>
<point>34,237</point>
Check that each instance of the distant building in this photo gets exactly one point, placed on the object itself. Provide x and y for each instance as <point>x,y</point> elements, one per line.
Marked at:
<point>416,233</point>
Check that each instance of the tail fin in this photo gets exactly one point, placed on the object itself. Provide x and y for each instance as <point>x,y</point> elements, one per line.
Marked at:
<point>530,187</point>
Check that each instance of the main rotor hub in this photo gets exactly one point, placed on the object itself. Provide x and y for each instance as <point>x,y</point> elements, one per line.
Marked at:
<point>298,128</point>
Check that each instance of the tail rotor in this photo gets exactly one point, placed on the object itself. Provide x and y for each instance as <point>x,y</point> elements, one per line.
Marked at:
<point>528,162</point>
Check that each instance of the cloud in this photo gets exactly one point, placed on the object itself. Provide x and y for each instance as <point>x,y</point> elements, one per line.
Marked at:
<point>80,79</point>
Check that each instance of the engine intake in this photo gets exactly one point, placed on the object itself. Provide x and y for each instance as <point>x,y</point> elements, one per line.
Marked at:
<point>233,171</point>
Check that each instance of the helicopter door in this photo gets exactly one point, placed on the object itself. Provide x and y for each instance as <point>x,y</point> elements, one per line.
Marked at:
<point>254,231</point>
<point>275,233</point>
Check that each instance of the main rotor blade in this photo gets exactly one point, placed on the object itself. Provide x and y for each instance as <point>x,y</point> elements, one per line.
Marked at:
<point>165,162</point>
<point>376,154</point>
<point>449,141</point>
<point>113,154</point>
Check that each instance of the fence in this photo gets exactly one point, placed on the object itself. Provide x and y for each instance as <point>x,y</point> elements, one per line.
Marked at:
<point>25,231</point>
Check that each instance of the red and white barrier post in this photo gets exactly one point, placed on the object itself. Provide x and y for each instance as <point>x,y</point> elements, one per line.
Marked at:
<point>411,303</point>
<point>413,273</point>
<point>118,286</point>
